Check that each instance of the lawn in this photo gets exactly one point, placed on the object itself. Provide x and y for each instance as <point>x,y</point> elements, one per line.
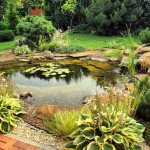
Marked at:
<point>7,45</point>
<point>87,41</point>
<point>98,42</point>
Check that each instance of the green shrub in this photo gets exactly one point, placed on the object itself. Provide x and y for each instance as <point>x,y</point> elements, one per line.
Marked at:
<point>48,46</point>
<point>145,36</point>
<point>68,49</point>
<point>6,35</point>
<point>37,30</point>
<point>3,25</point>
<point>146,134</point>
<point>22,50</point>
<point>63,123</point>
<point>106,128</point>
<point>10,109</point>
<point>143,107</point>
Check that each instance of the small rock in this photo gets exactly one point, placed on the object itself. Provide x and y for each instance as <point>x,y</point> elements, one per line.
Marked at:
<point>25,95</point>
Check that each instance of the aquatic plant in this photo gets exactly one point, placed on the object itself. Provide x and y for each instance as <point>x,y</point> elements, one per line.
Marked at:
<point>48,70</point>
<point>10,109</point>
<point>105,128</point>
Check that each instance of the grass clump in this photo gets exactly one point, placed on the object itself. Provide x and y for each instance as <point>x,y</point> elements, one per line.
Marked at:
<point>63,123</point>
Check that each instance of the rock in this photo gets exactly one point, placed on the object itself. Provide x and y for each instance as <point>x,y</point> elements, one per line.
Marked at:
<point>87,99</point>
<point>25,95</point>
<point>141,76</point>
<point>48,54</point>
<point>129,86</point>
<point>99,59</point>
<point>143,50</point>
<point>144,60</point>
<point>47,111</point>
<point>124,62</point>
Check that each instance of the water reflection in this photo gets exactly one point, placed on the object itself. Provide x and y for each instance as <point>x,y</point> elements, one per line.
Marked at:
<point>83,80</point>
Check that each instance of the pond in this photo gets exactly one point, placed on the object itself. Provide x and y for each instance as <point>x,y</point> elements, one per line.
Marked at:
<point>68,82</point>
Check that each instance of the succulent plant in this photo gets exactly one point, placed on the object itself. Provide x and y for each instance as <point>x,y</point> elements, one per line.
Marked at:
<point>10,109</point>
<point>107,129</point>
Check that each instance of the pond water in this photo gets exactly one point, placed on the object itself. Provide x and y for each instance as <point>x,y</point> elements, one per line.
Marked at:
<point>85,77</point>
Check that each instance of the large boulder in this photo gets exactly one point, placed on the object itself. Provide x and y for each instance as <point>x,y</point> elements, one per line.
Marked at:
<point>48,111</point>
<point>144,60</point>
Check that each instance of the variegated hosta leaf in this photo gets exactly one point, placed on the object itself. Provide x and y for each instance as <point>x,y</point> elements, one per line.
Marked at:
<point>70,145</point>
<point>75,134</point>
<point>79,140</point>
<point>117,138</point>
<point>89,133</point>
<point>99,139</point>
<point>5,127</point>
<point>93,146</point>
<point>139,127</point>
<point>83,126</point>
<point>107,146</point>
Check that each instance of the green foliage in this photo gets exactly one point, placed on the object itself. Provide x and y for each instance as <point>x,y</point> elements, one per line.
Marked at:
<point>63,123</point>
<point>12,14</point>
<point>53,12</point>
<point>3,25</point>
<point>6,35</point>
<point>142,92</point>
<point>105,128</point>
<point>22,50</point>
<point>69,6</point>
<point>106,17</point>
<point>37,30</point>
<point>68,49</point>
<point>145,36</point>
<point>36,3</point>
<point>10,109</point>
<point>129,45</point>
<point>146,134</point>
<point>3,9</point>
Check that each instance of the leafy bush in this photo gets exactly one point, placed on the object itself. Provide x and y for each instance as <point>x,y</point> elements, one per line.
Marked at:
<point>3,25</point>
<point>36,3</point>
<point>21,50</point>
<point>145,36</point>
<point>106,128</point>
<point>6,35</point>
<point>146,134</point>
<point>63,123</point>
<point>37,30</point>
<point>10,109</point>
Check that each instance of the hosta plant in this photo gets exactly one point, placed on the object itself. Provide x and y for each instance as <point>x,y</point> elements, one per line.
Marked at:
<point>107,129</point>
<point>10,109</point>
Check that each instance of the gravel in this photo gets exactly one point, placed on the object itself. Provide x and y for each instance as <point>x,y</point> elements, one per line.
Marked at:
<point>25,130</point>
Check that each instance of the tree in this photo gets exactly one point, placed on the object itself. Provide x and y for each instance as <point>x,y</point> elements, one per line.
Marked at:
<point>2,9</point>
<point>12,14</point>
<point>107,17</point>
